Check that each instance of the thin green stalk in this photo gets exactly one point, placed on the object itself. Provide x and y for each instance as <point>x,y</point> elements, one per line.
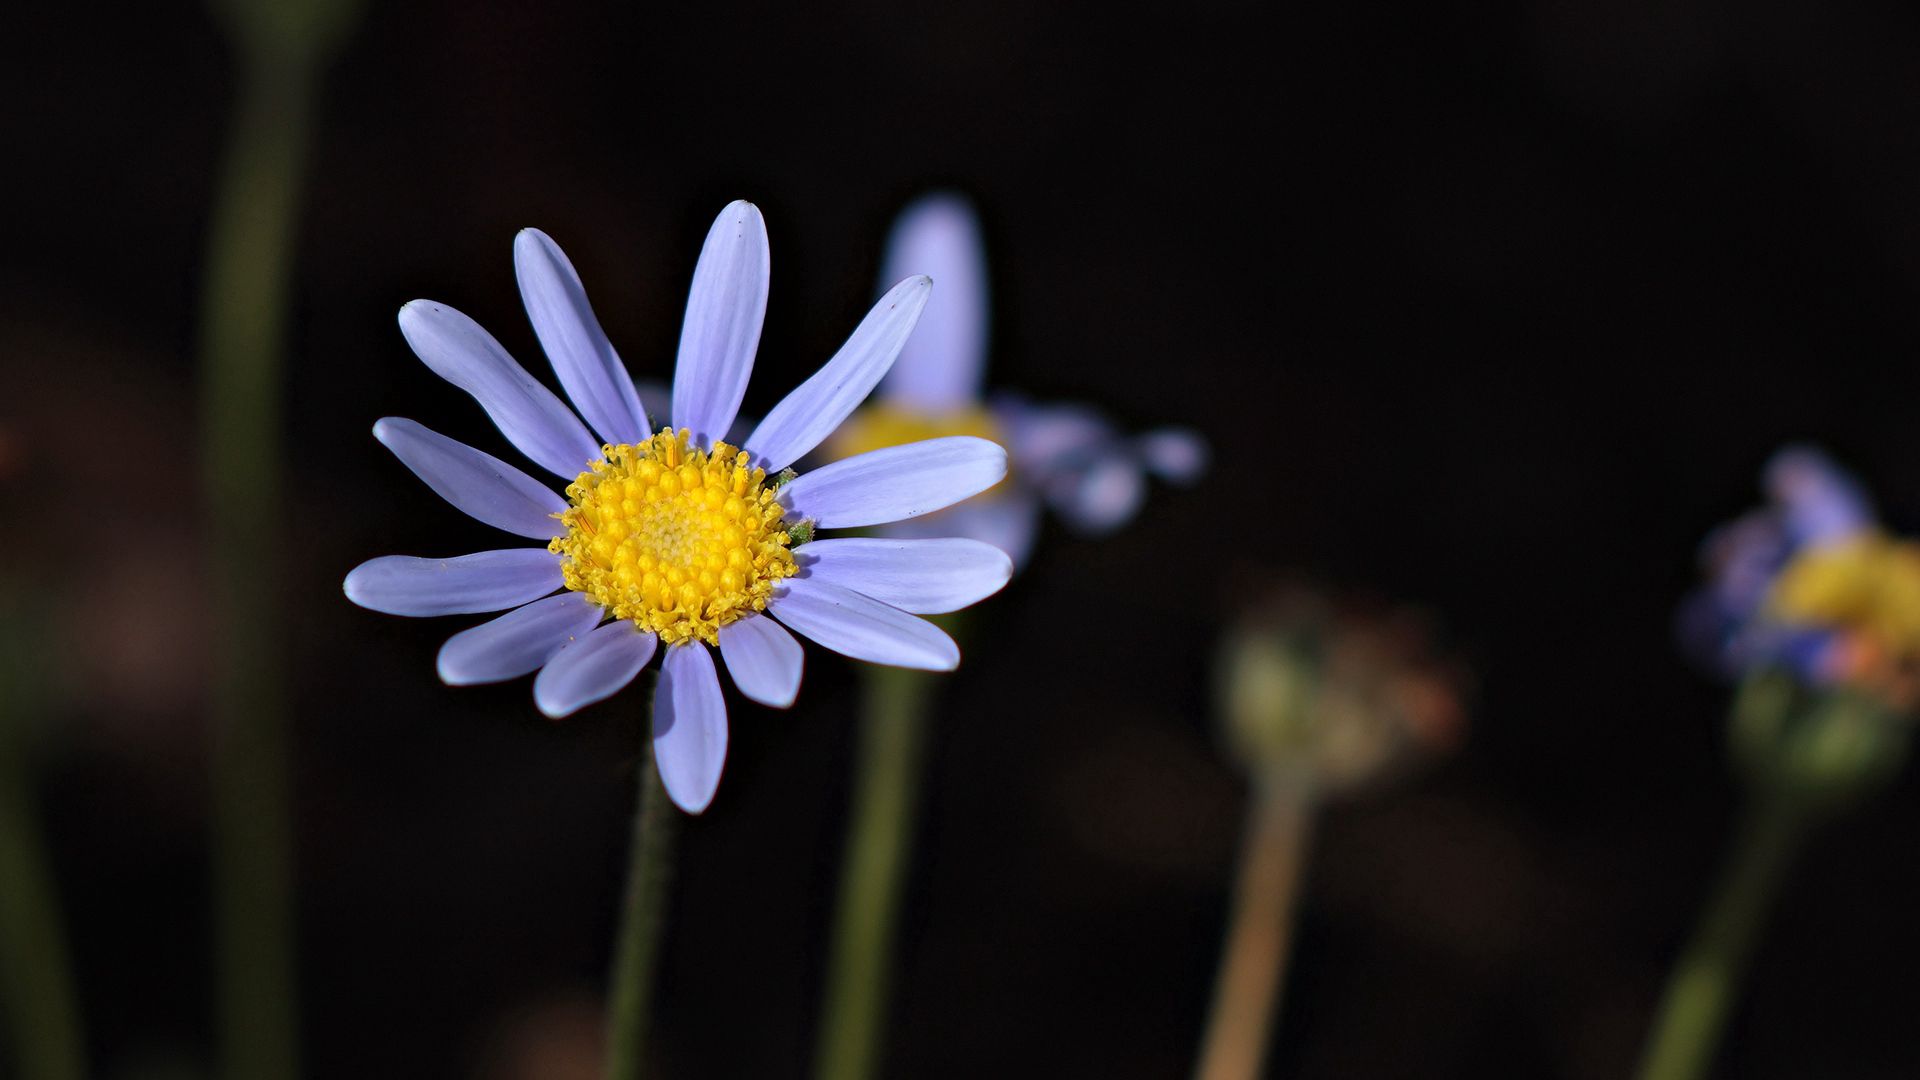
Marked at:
<point>243,319</point>
<point>35,982</point>
<point>636,953</point>
<point>893,724</point>
<point>1253,962</point>
<point>1700,992</point>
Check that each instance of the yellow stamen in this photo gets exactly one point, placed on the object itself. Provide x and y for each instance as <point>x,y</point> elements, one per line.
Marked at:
<point>679,540</point>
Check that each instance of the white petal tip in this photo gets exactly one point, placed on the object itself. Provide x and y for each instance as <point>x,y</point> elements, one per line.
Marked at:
<point>1005,572</point>
<point>452,673</point>
<point>554,710</point>
<point>945,663</point>
<point>529,243</point>
<point>689,805</point>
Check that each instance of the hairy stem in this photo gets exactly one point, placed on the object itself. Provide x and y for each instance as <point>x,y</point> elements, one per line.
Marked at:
<point>636,952</point>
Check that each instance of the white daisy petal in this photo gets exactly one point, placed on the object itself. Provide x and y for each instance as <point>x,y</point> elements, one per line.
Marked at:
<point>592,668</point>
<point>725,307</point>
<point>657,397</point>
<point>862,627</point>
<point>478,484</point>
<point>925,577</point>
<point>484,581</point>
<point>589,368</point>
<point>896,482</point>
<point>940,368</point>
<point>689,726</point>
<point>529,414</point>
<point>763,659</point>
<point>816,407</point>
<point>517,642</point>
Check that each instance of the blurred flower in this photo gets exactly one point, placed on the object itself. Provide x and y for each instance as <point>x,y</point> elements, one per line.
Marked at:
<point>679,537</point>
<point>1067,456</point>
<point>1813,586</point>
<point>1335,692</point>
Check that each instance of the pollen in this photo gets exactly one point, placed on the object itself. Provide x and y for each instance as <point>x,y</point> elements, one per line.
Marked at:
<point>679,540</point>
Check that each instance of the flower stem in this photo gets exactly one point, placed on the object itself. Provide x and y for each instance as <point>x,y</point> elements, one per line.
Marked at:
<point>35,984</point>
<point>243,319</point>
<point>886,778</point>
<point>1246,993</point>
<point>636,953</point>
<point>1699,993</point>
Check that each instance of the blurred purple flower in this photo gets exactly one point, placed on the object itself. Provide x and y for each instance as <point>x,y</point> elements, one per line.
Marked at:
<point>678,537</point>
<point>1731,624</point>
<point>1069,457</point>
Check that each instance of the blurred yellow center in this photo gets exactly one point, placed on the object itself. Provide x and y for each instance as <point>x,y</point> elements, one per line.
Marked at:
<point>679,540</point>
<point>1867,587</point>
<point>877,427</point>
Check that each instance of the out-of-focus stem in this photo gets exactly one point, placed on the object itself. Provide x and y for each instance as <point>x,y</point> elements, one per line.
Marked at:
<point>886,780</point>
<point>36,986</point>
<point>636,953</point>
<point>1700,992</point>
<point>1246,993</point>
<point>243,319</point>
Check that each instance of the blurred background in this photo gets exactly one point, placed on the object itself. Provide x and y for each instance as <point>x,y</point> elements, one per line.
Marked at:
<point>1492,309</point>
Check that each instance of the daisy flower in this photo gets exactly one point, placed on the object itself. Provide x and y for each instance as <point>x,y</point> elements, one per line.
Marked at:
<point>1069,457</point>
<point>1811,584</point>
<point>674,537</point>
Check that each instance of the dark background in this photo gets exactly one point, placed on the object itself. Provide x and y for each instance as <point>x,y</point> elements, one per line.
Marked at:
<point>1491,308</point>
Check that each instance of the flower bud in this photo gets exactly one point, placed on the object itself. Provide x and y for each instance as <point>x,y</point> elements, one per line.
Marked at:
<point>1333,693</point>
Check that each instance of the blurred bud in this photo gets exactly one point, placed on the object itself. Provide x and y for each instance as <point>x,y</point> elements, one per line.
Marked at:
<point>1828,746</point>
<point>1332,693</point>
<point>1814,607</point>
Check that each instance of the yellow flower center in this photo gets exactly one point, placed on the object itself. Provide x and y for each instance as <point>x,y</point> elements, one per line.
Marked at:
<point>1868,589</point>
<point>677,539</point>
<point>877,427</point>
<point>1869,584</point>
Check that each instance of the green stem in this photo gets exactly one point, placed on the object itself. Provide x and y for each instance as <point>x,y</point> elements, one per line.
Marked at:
<point>35,983</point>
<point>243,318</point>
<point>636,953</point>
<point>886,778</point>
<point>1253,963</point>
<point>1700,992</point>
